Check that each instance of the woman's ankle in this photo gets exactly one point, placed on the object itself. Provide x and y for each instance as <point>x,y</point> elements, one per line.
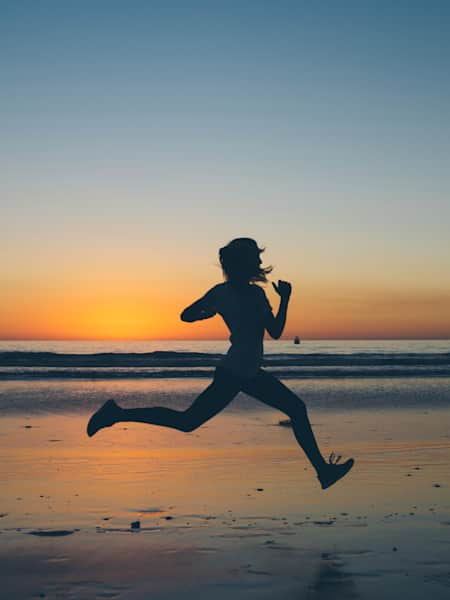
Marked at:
<point>320,467</point>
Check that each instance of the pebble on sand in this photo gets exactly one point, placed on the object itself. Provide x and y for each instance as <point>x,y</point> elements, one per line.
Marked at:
<point>52,533</point>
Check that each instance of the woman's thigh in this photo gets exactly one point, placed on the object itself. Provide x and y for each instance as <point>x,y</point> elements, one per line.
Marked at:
<point>268,389</point>
<point>214,398</point>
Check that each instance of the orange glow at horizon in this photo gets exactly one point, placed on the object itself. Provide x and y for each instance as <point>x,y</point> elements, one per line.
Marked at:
<point>143,314</point>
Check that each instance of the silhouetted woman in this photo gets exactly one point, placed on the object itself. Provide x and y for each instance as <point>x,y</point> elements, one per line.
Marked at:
<point>247,313</point>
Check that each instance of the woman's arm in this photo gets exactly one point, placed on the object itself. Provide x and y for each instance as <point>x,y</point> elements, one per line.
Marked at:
<point>204,308</point>
<point>197,312</point>
<point>275,325</point>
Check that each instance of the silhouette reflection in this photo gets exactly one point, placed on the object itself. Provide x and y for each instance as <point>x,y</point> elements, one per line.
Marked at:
<point>331,582</point>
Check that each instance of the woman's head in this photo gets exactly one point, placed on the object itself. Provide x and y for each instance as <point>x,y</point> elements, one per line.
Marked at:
<point>241,263</point>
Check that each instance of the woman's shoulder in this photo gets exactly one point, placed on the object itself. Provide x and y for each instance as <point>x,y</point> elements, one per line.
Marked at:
<point>219,287</point>
<point>216,290</point>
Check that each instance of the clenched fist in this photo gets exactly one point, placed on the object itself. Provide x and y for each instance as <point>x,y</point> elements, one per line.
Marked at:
<point>283,289</point>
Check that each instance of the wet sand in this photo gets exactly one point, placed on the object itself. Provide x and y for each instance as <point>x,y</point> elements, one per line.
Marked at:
<point>231,510</point>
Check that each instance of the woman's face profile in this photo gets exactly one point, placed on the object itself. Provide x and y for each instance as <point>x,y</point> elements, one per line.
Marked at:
<point>252,260</point>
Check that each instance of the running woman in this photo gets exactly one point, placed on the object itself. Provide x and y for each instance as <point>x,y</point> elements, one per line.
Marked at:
<point>244,307</point>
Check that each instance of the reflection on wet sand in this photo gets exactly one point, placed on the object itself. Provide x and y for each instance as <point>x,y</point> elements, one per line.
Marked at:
<point>229,511</point>
<point>332,581</point>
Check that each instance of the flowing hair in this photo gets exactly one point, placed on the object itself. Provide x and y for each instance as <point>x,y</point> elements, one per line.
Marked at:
<point>240,261</point>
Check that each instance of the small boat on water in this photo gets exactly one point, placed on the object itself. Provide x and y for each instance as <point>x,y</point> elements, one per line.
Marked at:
<point>296,340</point>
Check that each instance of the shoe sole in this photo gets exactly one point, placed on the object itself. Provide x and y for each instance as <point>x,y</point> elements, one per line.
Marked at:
<point>91,428</point>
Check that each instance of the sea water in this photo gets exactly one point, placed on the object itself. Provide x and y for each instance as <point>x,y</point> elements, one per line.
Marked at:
<point>77,376</point>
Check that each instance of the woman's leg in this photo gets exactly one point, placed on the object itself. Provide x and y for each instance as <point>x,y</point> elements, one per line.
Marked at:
<point>210,402</point>
<point>268,389</point>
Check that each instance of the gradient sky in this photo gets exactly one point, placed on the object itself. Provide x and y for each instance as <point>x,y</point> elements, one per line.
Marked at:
<point>139,137</point>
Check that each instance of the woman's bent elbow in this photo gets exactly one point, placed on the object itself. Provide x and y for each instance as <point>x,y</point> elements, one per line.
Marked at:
<point>275,335</point>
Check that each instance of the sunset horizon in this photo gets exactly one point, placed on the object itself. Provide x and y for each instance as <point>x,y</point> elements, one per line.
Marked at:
<point>220,339</point>
<point>126,306</point>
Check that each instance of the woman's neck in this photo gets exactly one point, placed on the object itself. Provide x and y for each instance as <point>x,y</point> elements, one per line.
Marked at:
<point>240,285</point>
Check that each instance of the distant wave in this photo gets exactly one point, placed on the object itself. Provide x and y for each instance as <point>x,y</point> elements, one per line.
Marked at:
<point>203,373</point>
<point>107,359</point>
<point>165,364</point>
<point>191,359</point>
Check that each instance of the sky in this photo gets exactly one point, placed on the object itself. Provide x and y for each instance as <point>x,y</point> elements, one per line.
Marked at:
<point>140,137</point>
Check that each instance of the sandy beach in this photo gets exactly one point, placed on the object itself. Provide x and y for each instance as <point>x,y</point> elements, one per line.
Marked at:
<point>230,510</point>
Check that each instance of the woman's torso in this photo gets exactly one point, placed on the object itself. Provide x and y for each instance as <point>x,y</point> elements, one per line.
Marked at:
<point>244,310</point>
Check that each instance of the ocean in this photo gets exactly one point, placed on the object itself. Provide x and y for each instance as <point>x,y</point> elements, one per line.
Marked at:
<point>77,377</point>
<point>197,359</point>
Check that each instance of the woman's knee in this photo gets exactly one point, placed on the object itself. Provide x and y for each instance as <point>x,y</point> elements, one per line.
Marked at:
<point>188,426</point>
<point>189,422</point>
<point>295,407</point>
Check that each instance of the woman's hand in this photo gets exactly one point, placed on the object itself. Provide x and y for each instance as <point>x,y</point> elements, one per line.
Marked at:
<point>283,289</point>
<point>275,325</point>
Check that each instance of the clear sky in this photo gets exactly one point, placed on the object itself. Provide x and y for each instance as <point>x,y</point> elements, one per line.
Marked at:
<point>138,137</point>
